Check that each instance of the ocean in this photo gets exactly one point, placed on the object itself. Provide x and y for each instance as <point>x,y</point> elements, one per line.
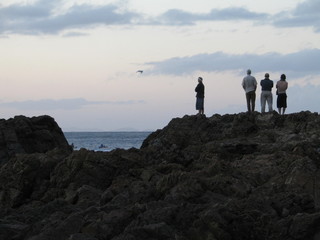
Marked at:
<point>105,141</point>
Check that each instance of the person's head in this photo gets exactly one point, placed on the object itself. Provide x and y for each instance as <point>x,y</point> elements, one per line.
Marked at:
<point>249,71</point>
<point>199,79</point>
<point>283,77</point>
<point>266,75</point>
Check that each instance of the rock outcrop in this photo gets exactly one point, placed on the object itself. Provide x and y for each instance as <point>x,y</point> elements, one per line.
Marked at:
<point>29,135</point>
<point>237,176</point>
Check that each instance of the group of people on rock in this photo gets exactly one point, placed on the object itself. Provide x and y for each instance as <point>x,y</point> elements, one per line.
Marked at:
<point>249,84</point>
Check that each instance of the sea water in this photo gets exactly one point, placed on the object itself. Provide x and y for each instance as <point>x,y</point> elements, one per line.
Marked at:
<point>105,141</point>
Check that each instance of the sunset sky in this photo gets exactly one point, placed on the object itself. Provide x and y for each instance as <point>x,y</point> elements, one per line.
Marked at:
<point>77,60</point>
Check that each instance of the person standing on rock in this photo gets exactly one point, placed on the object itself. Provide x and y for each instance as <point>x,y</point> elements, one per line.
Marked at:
<point>266,94</point>
<point>200,96</point>
<point>282,86</point>
<point>249,84</point>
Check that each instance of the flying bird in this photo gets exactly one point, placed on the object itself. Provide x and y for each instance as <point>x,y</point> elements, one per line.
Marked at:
<point>140,71</point>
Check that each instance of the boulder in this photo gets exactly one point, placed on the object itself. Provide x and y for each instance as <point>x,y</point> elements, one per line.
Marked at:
<point>30,135</point>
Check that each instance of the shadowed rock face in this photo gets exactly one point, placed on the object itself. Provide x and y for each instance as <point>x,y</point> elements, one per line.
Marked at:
<point>29,135</point>
<point>224,177</point>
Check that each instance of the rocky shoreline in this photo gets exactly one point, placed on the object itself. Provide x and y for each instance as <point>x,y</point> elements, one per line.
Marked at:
<point>238,176</point>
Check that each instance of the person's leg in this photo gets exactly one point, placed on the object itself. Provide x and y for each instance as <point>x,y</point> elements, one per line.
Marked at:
<point>284,103</point>
<point>281,102</point>
<point>270,102</point>
<point>279,111</point>
<point>253,101</point>
<point>198,105</point>
<point>248,101</point>
<point>263,102</point>
<point>201,106</point>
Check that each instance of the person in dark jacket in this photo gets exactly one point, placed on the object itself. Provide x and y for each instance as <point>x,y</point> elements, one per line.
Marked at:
<point>200,96</point>
<point>266,94</point>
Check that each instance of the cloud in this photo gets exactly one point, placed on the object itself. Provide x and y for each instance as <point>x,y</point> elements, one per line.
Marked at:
<point>41,17</point>
<point>180,17</point>
<point>13,12</point>
<point>74,34</point>
<point>300,63</point>
<point>62,104</point>
<point>44,17</point>
<point>47,17</point>
<point>304,15</point>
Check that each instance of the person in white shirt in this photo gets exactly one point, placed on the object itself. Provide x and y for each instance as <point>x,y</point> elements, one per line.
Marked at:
<point>249,84</point>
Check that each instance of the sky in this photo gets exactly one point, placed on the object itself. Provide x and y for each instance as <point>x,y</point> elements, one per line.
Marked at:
<point>77,60</point>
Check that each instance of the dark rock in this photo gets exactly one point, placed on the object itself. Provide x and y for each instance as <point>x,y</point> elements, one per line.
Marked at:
<point>13,230</point>
<point>236,176</point>
<point>30,135</point>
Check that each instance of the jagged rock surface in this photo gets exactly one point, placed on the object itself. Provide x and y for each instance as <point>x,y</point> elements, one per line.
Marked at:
<point>29,135</point>
<point>224,177</point>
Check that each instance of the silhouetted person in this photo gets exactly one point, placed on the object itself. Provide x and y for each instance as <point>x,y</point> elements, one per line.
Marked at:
<point>200,96</point>
<point>266,94</point>
<point>249,84</point>
<point>282,86</point>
